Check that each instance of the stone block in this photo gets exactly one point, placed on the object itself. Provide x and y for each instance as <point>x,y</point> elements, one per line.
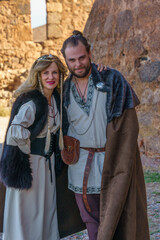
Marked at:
<point>54,18</point>
<point>156,97</point>
<point>15,60</point>
<point>150,71</point>
<point>54,31</point>
<point>54,7</point>
<point>23,8</point>
<point>22,33</point>
<point>87,3</point>
<point>108,25</point>
<point>147,96</point>
<point>124,21</point>
<point>117,49</point>
<point>148,13</point>
<point>77,1</point>
<point>153,145</point>
<point>48,43</point>
<point>154,41</point>
<point>134,46</point>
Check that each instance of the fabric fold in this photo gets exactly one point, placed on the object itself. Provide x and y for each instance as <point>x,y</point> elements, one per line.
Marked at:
<point>123,187</point>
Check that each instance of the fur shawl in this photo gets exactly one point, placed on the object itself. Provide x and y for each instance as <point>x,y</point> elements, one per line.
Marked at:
<point>15,170</point>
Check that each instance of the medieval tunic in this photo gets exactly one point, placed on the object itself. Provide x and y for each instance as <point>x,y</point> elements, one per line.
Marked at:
<point>89,128</point>
<point>32,214</point>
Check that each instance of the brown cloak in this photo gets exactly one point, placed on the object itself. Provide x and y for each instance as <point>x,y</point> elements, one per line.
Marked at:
<point>123,205</point>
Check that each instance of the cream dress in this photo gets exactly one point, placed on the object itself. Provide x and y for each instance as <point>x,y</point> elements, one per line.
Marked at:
<point>31,214</point>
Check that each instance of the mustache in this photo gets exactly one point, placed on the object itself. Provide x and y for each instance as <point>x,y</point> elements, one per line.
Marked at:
<point>80,68</point>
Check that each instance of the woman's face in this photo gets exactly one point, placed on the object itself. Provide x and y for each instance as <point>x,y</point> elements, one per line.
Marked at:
<point>50,78</point>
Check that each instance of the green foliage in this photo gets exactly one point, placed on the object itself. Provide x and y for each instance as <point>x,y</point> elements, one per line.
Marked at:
<point>4,112</point>
<point>156,193</point>
<point>151,176</point>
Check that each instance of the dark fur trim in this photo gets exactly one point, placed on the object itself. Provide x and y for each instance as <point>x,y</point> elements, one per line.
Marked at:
<point>15,166</point>
<point>15,173</point>
<point>41,110</point>
<point>120,95</point>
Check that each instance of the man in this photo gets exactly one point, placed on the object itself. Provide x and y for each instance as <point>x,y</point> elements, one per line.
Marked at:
<point>108,179</point>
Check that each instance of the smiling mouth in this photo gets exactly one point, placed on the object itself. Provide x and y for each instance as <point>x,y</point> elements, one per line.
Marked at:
<point>51,82</point>
<point>79,69</point>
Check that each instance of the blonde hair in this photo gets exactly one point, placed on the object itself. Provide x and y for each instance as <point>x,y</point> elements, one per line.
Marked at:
<point>38,66</point>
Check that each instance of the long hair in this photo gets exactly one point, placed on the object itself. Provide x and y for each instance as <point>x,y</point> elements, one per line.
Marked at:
<point>38,66</point>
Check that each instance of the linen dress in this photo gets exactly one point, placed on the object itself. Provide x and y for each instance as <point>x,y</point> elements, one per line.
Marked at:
<point>32,214</point>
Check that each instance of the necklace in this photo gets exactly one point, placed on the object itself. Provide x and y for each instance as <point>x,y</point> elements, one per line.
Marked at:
<point>82,95</point>
<point>53,114</point>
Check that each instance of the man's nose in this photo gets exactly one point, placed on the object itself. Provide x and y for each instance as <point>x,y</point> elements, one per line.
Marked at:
<point>78,63</point>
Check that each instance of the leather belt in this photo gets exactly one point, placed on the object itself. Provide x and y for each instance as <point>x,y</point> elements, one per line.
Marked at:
<point>87,171</point>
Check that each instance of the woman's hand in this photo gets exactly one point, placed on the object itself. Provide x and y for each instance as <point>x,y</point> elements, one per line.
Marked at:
<point>101,67</point>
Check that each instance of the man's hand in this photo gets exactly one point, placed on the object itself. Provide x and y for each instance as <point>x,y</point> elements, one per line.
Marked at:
<point>101,67</point>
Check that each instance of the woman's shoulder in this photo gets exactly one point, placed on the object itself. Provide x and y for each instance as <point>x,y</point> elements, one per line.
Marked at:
<point>34,96</point>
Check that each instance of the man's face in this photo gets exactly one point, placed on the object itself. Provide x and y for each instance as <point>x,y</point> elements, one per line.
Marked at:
<point>78,60</point>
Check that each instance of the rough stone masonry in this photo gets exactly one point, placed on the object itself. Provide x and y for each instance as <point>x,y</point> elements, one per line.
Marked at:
<point>125,34</point>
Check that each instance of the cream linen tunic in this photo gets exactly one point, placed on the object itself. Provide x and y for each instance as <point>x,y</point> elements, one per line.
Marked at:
<point>31,214</point>
<point>91,131</point>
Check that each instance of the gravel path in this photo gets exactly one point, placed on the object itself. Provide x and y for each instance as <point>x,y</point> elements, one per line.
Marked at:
<point>153,198</point>
<point>153,202</point>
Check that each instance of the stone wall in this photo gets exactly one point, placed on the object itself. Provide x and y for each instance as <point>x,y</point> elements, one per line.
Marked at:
<point>66,15</point>
<point>125,34</point>
<point>15,45</point>
<point>17,48</point>
<point>15,20</point>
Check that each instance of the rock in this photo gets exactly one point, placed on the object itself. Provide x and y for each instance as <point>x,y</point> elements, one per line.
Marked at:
<point>124,21</point>
<point>124,34</point>
<point>150,71</point>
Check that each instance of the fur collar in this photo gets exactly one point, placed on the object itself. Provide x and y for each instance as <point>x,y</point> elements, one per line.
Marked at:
<point>120,95</point>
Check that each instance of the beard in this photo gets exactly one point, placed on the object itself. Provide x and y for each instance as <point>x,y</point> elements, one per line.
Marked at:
<point>86,72</point>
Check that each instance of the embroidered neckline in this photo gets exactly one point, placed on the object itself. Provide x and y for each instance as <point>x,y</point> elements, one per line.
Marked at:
<point>87,105</point>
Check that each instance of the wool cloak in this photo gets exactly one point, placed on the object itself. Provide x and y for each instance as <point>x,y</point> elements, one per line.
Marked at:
<point>123,204</point>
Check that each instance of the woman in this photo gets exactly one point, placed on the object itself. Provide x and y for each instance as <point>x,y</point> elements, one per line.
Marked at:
<point>27,163</point>
<point>29,157</point>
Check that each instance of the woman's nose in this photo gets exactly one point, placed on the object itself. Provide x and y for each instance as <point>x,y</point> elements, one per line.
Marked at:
<point>50,76</point>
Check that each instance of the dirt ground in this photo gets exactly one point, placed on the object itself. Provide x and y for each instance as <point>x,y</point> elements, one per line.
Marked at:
<point>153,194</point>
